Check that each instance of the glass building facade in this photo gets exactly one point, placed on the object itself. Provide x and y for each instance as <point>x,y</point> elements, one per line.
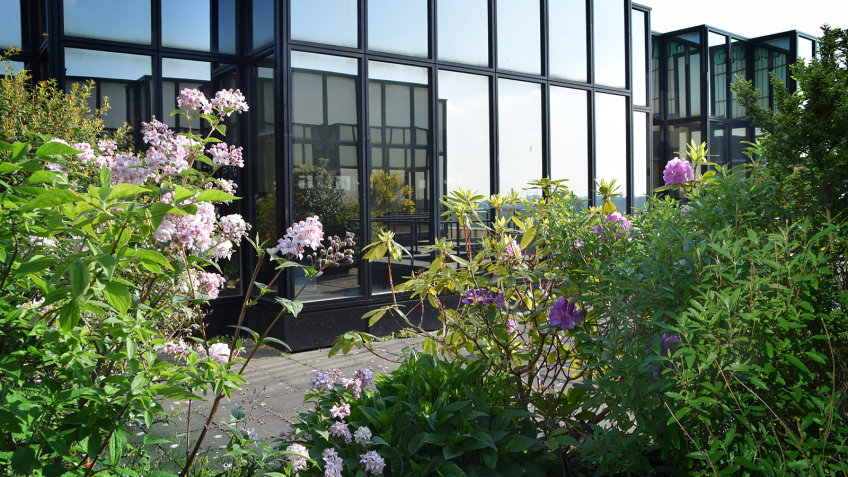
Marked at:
<point>367,112</point>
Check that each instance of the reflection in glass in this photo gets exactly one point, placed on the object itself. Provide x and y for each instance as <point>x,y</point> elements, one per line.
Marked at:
<point>737,149</point>
<point>570,139</point>
<point>519,23</point>
<point>567,35</point>
<point>520,131</point>
<point>610,60</point>
<point>684,77</point>
<point>641,166</point>
<point>806,49</point>
<point>656,157</point>
<point>738,65</point>
<point>325,21</point>
<point>263,23</point>
<point>219,36</point>
<point>718,144</point>
<point>17,67</point>
<point>718,74</point>
<point>325,171</point>
<point>125,79</point>
<point>761,75</point>
<point>611,144</point>
<point>176,76</point>
<point>464,31</point>
<point>263,131</point>
<point>10,24</point>
<point>640,47</point>
<point>655,76</point>
<point>464,132</point>
<point>398,27</point>
<point>101,20</point>
<point>399,180</point>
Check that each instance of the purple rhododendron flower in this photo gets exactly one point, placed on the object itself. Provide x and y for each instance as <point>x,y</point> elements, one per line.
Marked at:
<point>667,341</point>
<point>678,171</point>
<point>477,296</point>
<point>565,314</point>
<point>512,327</point>
<point>624,224</point>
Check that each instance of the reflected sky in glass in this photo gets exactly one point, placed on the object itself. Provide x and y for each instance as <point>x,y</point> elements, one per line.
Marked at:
<point>519,46</point>
<point>464,31</point>
<point>610,43</point>
<point>570,138</point>
<point>263,23</point>
<point>17,67</point>
<point>332,64</point>
<point>10,24</point>
<point>567,33</point>
<point>641,167</point>
<point>398,26</point>
<point>103,64</point>
<point>611,143</point>
<point>805,49</point>
<point>101,20</point>
<point>186,69</point>
<point>466,141</point>
<point>379,70</point>
<point>520,134</point>
<point>174,31</point>
<point>325,21</point>
<point>640,53</point>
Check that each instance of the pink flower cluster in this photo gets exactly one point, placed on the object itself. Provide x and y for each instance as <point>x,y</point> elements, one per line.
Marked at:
<point>362,435</point>
<point>322,381</point>
<point>223,155</point>
<point>306,233</point>
<point>512,249</point>
<point>332,463</point>
<point>372,462</point>
<point>128,169</point>
<point>175,348</point>
<point>220,352</point>
<point>106,146</point>
<point>193,100</point>
<point>678,171</point>
<point>340,412</point>
<point>623,225</point>
<point>201,282</point>
<point>167,151</point>
<point>229,99</point>
<point>298,462</point>
<point>339,429</point>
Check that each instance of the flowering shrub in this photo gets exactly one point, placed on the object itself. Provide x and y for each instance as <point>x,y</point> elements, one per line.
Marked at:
<point>429,417</point>
<point>678,171</point>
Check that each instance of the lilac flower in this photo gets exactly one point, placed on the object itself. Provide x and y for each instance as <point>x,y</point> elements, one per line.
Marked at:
<point>128,170</point>
<point>223,155</point>
<point>499,298</point>
<point>666,342</point>
<point>53,167</point>
<point>105,146</point>
<point>565,315</point>
<point>339,429</point>
<point>203,283</point>
<point>298,462</point>
<point>333,463</point>
<point>353,384</point>
<point>362,435</point>
<point>193,99</point>
<point>623,226</point>
<point>250,433</point>
<point>340,412</point>
<point>678,171</point>
<point>220,352</point>
<point>365,376</point>
<point>175,348</point>
<point>227,98</point>
<point>372,462</point>
<point>306,233</point>
<point>477,296</point>
<point>288,435</point>
<point>321,381</point>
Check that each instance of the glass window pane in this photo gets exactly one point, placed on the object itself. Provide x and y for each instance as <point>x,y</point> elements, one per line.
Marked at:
<point>737,70</point>
<point>610,60</point>
<point>218,36</point>
<point>398,27</point>
<point>640,52</point>
<point>656,157</point>
<point>125,79</point>
<point>655,75</point>
<point>100,19</point>
<point>684,76</point>
<point>718,144</point>
<point>737,149</point>
<point>464,31</point>
<point>325,173</point>
<point>263,23</point>
<point>611,144</point>
<point>641,166</point>
<point>718,74</point>
<point>325,21</point>
<point>10,24</point>
<point>567,35</point>
<point>263,131</point>
<point>399,179</point>
<point>16,66</point>
<point>464,132</point>
<point>178,75</point>
<point>519,23</point>
<point>520,131</point>
<point>761,75</point>
<point>694,67</point>
<point>806,49</point>
<point>570,139</point>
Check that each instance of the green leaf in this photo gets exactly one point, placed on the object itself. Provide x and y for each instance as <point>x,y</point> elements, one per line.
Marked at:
<point>293,306</point>
<point>149,255</point>
<point>23,460</point>
<point>181,194</point>
<point>79,277</point>
<point>105,176</point>
<point>50,198</point>
<point>108,263</point>
<point>8,167</point>
<point>124,190</point>
<point>118,296</point>
<point>34,264</point>
<point>69,316</point>
<point>679,414</point>
<point>797,362</point>
<point>449,469</point>
<point>520,443</point>
<point>56,443</point>
<point>214,195</point>
<point>41,176</point>
<point>486,439</point>
<point>417,442</point>
<point>117,443</point>
<point>19,149</point>
<point>55,148</point>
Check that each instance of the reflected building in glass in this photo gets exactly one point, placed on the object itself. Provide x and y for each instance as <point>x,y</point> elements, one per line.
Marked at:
<point>367,112</point>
